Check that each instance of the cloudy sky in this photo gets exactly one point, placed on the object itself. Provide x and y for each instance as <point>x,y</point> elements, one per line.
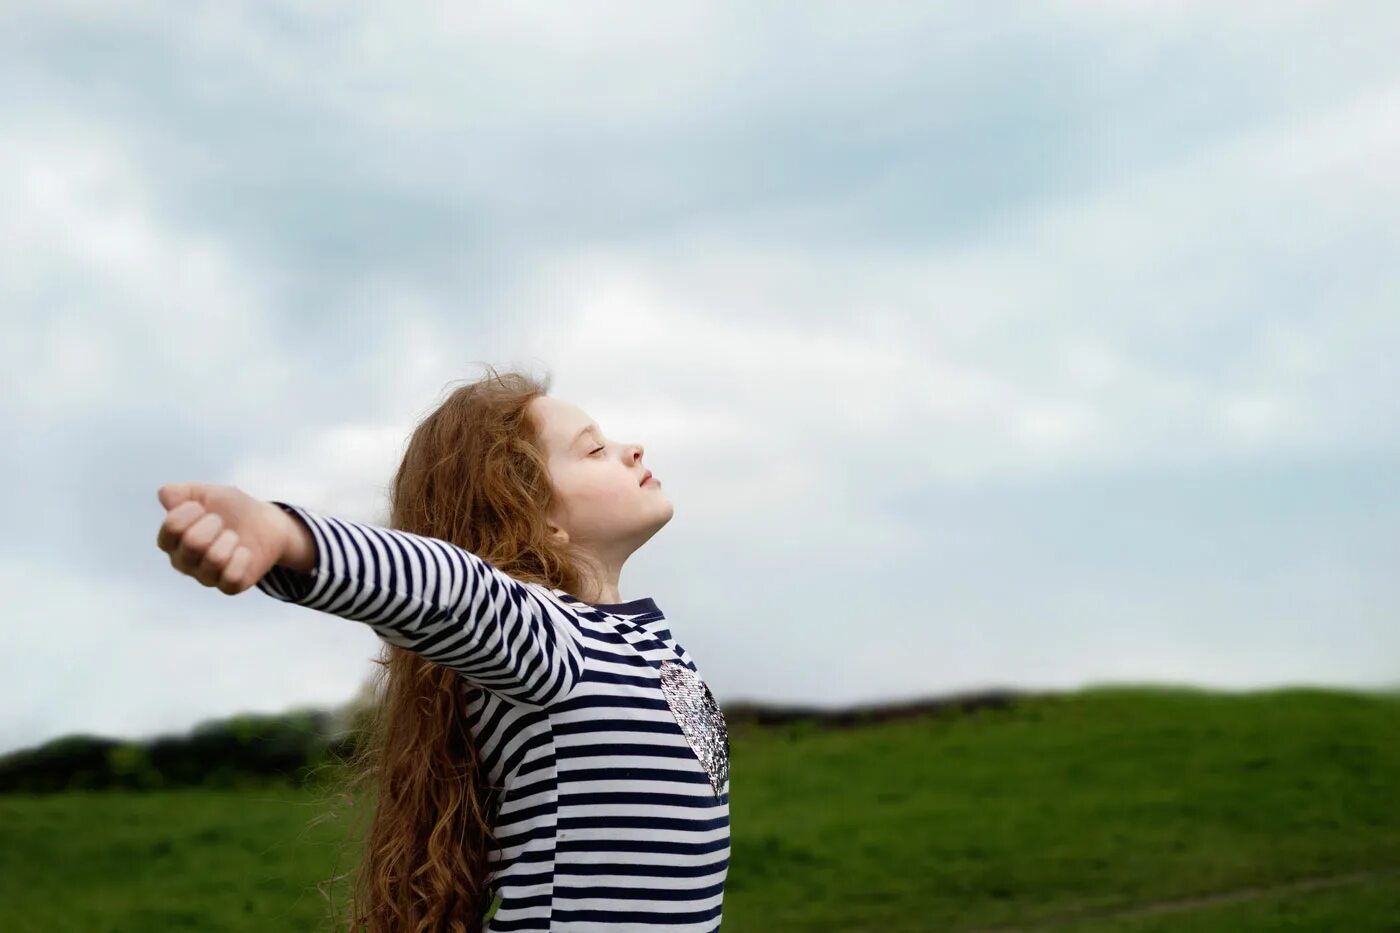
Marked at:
<point>1034,347</point>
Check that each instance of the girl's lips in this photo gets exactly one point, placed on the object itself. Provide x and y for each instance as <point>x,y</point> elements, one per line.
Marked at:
<point>650,479</point>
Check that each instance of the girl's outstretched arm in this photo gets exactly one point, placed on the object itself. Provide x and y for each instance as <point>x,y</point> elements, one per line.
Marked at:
<point>420,593</point>
<point>438,600</point>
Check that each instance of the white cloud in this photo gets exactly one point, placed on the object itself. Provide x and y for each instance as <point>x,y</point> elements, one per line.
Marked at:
<point>343,469</point>
<point>122,306</point>
<point>127,658</point>
<point>1037,347</point>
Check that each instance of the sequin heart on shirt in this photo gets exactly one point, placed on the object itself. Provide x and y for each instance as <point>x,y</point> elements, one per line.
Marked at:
<point>700,719</point>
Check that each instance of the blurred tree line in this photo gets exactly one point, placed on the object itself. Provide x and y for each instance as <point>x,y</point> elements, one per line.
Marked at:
<point>300,745</point>
<point>244,749</point>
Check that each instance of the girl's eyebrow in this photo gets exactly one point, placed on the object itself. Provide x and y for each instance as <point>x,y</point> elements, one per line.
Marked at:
<point>591,427</point>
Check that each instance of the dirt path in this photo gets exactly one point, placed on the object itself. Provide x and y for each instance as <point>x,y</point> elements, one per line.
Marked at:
<point>1174,904</point>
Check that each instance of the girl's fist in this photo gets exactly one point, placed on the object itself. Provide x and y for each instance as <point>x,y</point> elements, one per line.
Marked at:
<point>220,535</point>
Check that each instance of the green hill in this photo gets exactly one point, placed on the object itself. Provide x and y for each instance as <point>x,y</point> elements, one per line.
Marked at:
<point>1123,808</point>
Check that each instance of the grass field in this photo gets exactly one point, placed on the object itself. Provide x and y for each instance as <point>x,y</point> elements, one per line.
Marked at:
<point>1125,809</point>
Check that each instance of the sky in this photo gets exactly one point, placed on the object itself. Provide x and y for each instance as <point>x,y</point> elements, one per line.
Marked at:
<point>1028,346</point>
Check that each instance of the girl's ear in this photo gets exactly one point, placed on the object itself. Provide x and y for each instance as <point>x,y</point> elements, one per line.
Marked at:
<point>555,530</point>
<point>558,534</point>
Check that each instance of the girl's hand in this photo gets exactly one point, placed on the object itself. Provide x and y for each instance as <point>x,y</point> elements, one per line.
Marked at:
<point>224,537</point>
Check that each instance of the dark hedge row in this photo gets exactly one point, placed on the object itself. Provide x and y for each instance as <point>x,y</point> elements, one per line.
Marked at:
<point>296,746</point>
<point>229,752</point>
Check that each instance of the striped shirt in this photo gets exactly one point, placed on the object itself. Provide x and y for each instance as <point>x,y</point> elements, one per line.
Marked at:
<point>607,755</point>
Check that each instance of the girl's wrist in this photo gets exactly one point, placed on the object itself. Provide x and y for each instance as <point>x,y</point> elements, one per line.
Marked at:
<point>298,551</point>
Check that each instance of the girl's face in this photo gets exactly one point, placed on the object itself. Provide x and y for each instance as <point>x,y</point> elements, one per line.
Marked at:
<point>600,499</point>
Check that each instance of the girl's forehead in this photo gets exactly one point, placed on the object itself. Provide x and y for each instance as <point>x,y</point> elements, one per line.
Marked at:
<point>564,421</point>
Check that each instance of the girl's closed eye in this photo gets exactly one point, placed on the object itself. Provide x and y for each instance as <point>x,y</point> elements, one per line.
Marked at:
<point>595,451</point>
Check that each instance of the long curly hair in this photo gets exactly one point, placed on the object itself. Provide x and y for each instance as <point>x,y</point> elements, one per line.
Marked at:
<point>474,473</point>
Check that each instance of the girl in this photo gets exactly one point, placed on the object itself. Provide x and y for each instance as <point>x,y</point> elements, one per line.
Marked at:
<point>537,734</point>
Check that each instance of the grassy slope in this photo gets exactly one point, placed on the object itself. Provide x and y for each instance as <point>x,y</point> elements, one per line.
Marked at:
<point>1081,802</point>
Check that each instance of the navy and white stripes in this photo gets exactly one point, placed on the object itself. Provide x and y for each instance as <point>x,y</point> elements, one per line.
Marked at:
<point>440,601</point>
<point>607,817</point>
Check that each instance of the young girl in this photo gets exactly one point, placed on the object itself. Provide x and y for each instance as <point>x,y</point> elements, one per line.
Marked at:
<point>538,734</point>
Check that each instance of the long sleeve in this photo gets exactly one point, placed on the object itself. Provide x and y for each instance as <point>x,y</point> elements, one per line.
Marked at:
<point>440,601</point>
